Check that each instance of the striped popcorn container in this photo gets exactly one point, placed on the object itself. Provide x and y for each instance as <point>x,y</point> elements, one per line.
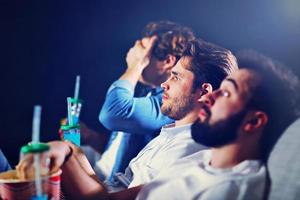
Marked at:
<point>11,188</point>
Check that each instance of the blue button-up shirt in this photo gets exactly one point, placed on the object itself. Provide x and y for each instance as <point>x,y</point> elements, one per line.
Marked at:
<point>139,118</point>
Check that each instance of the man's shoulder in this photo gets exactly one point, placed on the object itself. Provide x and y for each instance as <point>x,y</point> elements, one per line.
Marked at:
<point>190,174</point>
<point>185,164</point>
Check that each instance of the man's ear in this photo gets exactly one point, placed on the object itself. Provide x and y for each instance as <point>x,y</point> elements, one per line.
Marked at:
<point>169,62</point>
<point>205,89</point>
<point>255,121</point>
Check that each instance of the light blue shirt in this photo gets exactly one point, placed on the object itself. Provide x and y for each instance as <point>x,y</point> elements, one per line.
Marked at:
<point>139,118</point>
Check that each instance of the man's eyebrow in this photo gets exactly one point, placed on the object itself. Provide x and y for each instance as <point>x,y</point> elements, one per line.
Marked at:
<point>233,82</point>
<point>175,73</point>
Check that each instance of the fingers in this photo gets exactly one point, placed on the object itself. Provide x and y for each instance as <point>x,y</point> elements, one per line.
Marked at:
<point>139,44</point>
<point>55,165</point>
<point>139,55</point>
<point>151,43</point>
<point>25,167</point>
<point>148,42</point>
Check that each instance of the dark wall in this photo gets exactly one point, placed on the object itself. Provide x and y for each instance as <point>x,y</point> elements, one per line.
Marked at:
<point>45,44</point>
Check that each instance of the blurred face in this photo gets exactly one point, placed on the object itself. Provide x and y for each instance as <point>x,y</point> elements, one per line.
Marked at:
<point>178,99</point>
<point>221,117</point>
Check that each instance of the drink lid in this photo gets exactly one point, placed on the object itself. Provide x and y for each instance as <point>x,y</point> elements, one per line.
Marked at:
<point>35,148</point>
<point>73,100</point>
<point>68,127</point>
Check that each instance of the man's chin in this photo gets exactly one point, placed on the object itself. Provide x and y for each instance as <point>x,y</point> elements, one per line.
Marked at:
<point>164,109</point>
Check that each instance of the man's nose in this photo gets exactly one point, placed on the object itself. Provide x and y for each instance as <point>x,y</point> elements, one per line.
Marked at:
<point>165,85</point>
<point>208,99</point>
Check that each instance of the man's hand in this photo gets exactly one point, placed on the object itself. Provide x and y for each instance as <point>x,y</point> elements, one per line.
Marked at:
<point>139,55</point>
<point>57,154</point>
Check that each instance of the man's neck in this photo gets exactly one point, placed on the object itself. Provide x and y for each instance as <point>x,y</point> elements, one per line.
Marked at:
<point>188,119</point>
<point>232,154</point>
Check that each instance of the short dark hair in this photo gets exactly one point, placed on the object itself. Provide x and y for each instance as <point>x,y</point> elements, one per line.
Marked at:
<point>209,63</point>
<point>172,38</point>
<point>276,94</point>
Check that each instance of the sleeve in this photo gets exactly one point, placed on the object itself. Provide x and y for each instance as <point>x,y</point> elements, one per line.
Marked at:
<point>4,165</point>
<point>122,111</point>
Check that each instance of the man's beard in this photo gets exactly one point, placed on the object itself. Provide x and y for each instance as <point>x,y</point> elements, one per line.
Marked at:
<point>179,107</point>
<point>219,134</point>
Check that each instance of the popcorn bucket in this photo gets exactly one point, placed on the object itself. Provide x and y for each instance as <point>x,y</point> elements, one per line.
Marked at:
<point>12,188</point>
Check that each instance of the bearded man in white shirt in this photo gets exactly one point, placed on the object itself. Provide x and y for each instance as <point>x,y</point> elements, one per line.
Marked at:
<point>240,122</point>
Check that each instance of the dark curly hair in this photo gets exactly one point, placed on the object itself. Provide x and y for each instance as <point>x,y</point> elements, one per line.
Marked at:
<point>172,38</point>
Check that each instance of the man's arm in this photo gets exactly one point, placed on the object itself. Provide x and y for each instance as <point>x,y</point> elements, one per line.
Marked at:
<point>138,58</point>
<point>121,111</point>
<point>127,194</point>
<point>79,180</point>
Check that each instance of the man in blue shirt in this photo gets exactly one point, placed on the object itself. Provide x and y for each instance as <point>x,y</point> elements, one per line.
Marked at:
<point>135,117</point>
<point>4,165</point>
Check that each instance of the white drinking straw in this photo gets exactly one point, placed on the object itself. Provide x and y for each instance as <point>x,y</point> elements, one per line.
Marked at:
<point>37,172</point>
<point>77,85</point>
<point>36,139</point>
<point>70,119</point>
<point>36,124</point>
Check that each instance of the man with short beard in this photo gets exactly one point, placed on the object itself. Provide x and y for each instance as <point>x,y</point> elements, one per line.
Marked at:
<point>240,122</point>
<point>202,68</point>
<point>132,104</point>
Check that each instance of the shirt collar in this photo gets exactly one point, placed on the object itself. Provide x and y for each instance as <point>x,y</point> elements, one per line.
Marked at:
<point>173,130</point>
<point>244,167</point>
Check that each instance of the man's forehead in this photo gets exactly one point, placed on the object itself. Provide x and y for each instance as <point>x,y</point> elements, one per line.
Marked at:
<point>183,63</point>
<point>241,79</point>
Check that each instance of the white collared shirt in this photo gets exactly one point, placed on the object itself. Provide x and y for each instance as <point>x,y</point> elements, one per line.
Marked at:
<point>193,178</point>
<point>172,144</point>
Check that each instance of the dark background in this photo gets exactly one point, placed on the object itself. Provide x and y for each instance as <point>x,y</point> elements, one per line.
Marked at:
<point>46,43</point>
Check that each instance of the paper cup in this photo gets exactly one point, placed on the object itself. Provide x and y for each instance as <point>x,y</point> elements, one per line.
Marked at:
<point>11,188</point>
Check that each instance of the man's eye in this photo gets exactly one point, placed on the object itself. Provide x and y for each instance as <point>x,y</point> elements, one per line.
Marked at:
<point>175,78</point>
<point>225,93</point>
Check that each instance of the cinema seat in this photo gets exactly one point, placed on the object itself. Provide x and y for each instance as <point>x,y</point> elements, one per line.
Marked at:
<point>284,165</point>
